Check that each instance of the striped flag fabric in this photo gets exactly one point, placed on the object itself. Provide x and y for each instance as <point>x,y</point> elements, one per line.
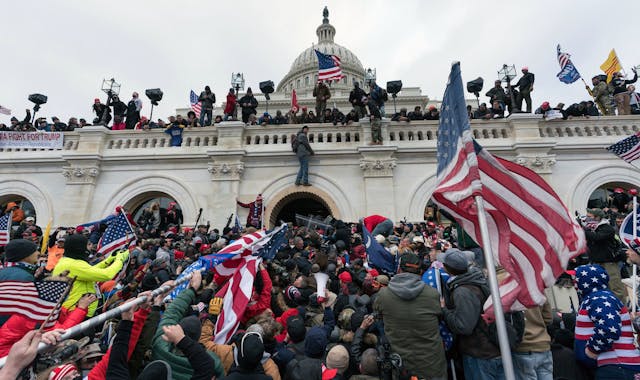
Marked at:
<point>119,234</point>
<point>33,300</point>
<point>533,234</point>
<point>5,229</point>
<point>568,72</point>
<point>236,295</point>
<point>611,65</point>
<point>5,110</point>
<point>195,103</point>
<point>628,148</point>
<point>328,67</point>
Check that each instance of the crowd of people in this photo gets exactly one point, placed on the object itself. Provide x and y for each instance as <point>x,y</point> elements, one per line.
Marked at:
<point>319,309</point>
<point>618,96</point>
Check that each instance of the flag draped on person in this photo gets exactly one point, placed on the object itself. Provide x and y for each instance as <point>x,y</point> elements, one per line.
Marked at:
<point>119,234</point>
<point>294,101</point>
<point>33,300</point>
<point>534,236</point>
<point>568,72</point>
<point>5,228</point>
<point>328,67</point>
<point>611,65</point>
<point>195,103</point>
<point>226,261</point>
<point>378,257</point>
<point>628,148</point>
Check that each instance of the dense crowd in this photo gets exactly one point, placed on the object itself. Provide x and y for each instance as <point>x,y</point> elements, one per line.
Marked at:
<point>320,308</point>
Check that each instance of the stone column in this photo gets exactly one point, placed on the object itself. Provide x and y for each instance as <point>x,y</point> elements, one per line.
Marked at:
<point>531,150</point>
<point>377,164</point>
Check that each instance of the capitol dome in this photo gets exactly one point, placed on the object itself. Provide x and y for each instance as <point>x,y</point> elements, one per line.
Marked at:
<point>304,70</point>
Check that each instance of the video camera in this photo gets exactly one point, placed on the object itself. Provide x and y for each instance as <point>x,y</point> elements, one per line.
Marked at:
<point>390,364</point>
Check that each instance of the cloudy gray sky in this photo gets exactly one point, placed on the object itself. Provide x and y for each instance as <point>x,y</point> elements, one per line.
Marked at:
<point>65,48</point>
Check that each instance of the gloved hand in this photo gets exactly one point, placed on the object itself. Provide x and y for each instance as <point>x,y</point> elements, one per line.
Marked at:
<point>215,305</point>
<point>123,256</point>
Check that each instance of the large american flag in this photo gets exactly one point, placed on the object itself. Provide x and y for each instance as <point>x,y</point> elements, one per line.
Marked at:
<point>568,72</point>
<point>5,228</point>
<point>33,300</point>
<point>328,67</point>
<point>195,103</point>
<point>628,148</point>
<point>118,234</point>
<point>533,234</point>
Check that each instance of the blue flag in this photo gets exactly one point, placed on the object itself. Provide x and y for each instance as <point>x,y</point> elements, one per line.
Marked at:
<point>568,72</point>
<point>379,257</point>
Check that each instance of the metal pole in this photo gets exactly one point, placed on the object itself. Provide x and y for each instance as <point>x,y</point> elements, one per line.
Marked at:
<point>503,339</point>
<point>101,318</point>
<point>634,294</point>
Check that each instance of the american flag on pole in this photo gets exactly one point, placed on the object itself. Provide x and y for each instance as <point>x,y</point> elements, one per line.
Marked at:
<point>5,228</point>
<point>118,234</point>
<point>195,103</point>
<point>628,148</point>
<point>568,72</point>
<point>33,300</point>
<point>534,236</point>
<point>5,110</point>
<point>328,67</point>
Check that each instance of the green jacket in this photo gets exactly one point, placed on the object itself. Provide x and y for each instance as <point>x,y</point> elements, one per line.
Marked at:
<point>87,277</point>
<point>163,350</point>
<point>411,312</point>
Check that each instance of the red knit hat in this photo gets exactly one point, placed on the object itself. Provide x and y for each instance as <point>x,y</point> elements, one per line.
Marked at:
<point>345,277</point>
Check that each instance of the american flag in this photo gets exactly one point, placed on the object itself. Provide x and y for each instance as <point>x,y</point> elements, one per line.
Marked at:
<point>195,103</point>
<point>628,148</point>
<point>328,67</point>
<point>5,228</point>
<point>118,234</point>
<point>5,110</point>
<point>534,236</point>
<point>33,300</point>
<point>626,228</point>
<point>568,72</point>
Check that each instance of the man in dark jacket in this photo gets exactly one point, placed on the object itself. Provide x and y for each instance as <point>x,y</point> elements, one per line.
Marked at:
<point>357,97</point>
<point>207,100</point>
<point>248,355</point>
<point>462,309</point>
<point>249,104</point>
<point>119,108</point>
<point>497,93</point>
<point>303,152</point>
<point>133,111</point>
<point>525,83</point>
<point>620,92</point>
<point>601,242</point>
<point>322,94</point>
<point>410,310</point>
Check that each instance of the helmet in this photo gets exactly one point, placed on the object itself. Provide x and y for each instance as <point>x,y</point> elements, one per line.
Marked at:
<point>633,192</point>
<point>618,190</point>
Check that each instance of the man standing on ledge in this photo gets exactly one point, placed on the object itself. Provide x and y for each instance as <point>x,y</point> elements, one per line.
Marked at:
<point>303,151</point>
<point>322,94</point>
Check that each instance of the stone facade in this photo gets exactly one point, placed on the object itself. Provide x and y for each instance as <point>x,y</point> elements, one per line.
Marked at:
<point>99,169</point>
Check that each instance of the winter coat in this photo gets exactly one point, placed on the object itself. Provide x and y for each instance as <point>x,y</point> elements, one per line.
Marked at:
<point>207,100</point>
<point>497,93</point>
<point>619,85</point>
<point>261,302</point>
<point>304,149</point>
<point>254,218</point>
<point>356,97</point>
<point>525,83</point>
<point>248,104</point>
<point>463,314</point>
<point>87,277</point>
<point>603,324</point>
<point>601,243</point>
<point>410,310</point>
<point>601,93</point>
<point>322,93</point>
<point>163,350</point>
<point>231,104</point>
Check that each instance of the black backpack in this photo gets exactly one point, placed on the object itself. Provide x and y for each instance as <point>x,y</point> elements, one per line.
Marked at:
<point>294,143</point>
<point>514,322</point>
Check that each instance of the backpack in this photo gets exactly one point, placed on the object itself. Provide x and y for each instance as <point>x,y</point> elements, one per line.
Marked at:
<point>514,322</point>
<point>294,143</point>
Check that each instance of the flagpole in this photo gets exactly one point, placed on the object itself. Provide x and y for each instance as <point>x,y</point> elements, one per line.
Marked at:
<point>59,303</point>
<point>503,339</point>
<point>634,293</point>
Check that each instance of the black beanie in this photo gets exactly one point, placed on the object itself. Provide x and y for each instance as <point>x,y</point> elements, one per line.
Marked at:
<point>75,247</point>
<point>156,370</point>
<point>191,327</point>
<point>250,351</point>
<point>19,249</point>
<point>296,329</point>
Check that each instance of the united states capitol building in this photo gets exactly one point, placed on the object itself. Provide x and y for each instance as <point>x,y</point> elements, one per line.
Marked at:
<point>99,169</point>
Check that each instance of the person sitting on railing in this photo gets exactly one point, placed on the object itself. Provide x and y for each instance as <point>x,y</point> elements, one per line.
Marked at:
<point>72,124</point>
<point>313,118</point>
<point>576,110</point>
<point>337,117</point>
<point>192,120</point>
<point>416,114</point>
<point>253,119</point>
<point>327,116</point>
<point>544,107</point>
<point>304,117</point>
<point>292,118</point>
<point>83,123</point>
<point>118,123</point>
<point>265,119</point>
<point>433,113</point>
<point>58,126</point>
<point>496,111</point>
<point>400,116</point>
<point>143,124</point>
<point>42,125</point>
<point>351,117</point>
<point>592,110</point>
<point>279,119</point>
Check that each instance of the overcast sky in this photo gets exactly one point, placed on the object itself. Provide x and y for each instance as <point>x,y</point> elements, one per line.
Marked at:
<point>64,49</point>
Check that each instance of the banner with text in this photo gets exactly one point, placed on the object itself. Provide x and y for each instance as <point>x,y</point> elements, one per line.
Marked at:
<point>43,140</point>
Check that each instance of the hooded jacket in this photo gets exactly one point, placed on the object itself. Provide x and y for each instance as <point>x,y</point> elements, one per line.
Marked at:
<point>411,310</point>
<point>463,314</point>
<point>603,324</point>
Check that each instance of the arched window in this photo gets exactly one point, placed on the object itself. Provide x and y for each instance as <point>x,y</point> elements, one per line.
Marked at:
<point>298,83</point>
<point>157,205</point>
<point>306,80</point>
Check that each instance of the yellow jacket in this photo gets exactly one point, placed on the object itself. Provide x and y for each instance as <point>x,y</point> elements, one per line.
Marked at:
<point>87,277</point>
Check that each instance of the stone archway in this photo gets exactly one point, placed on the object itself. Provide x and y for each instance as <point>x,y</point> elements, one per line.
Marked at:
<point>142,200</point>
<point>279,202</point>
<point>588,183</point>
<point>42,205</point>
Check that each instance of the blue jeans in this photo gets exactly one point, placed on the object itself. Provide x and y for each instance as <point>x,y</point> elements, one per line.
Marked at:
<point>209,114</point>
<point>614,372</point>
<point>303,173</point>
<point>385,229</point>
<point>533,366</point>
<point>482,369</point>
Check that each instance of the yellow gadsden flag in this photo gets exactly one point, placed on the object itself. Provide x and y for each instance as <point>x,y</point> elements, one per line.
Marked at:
<point>45,238</point>
<point>611,65</point>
